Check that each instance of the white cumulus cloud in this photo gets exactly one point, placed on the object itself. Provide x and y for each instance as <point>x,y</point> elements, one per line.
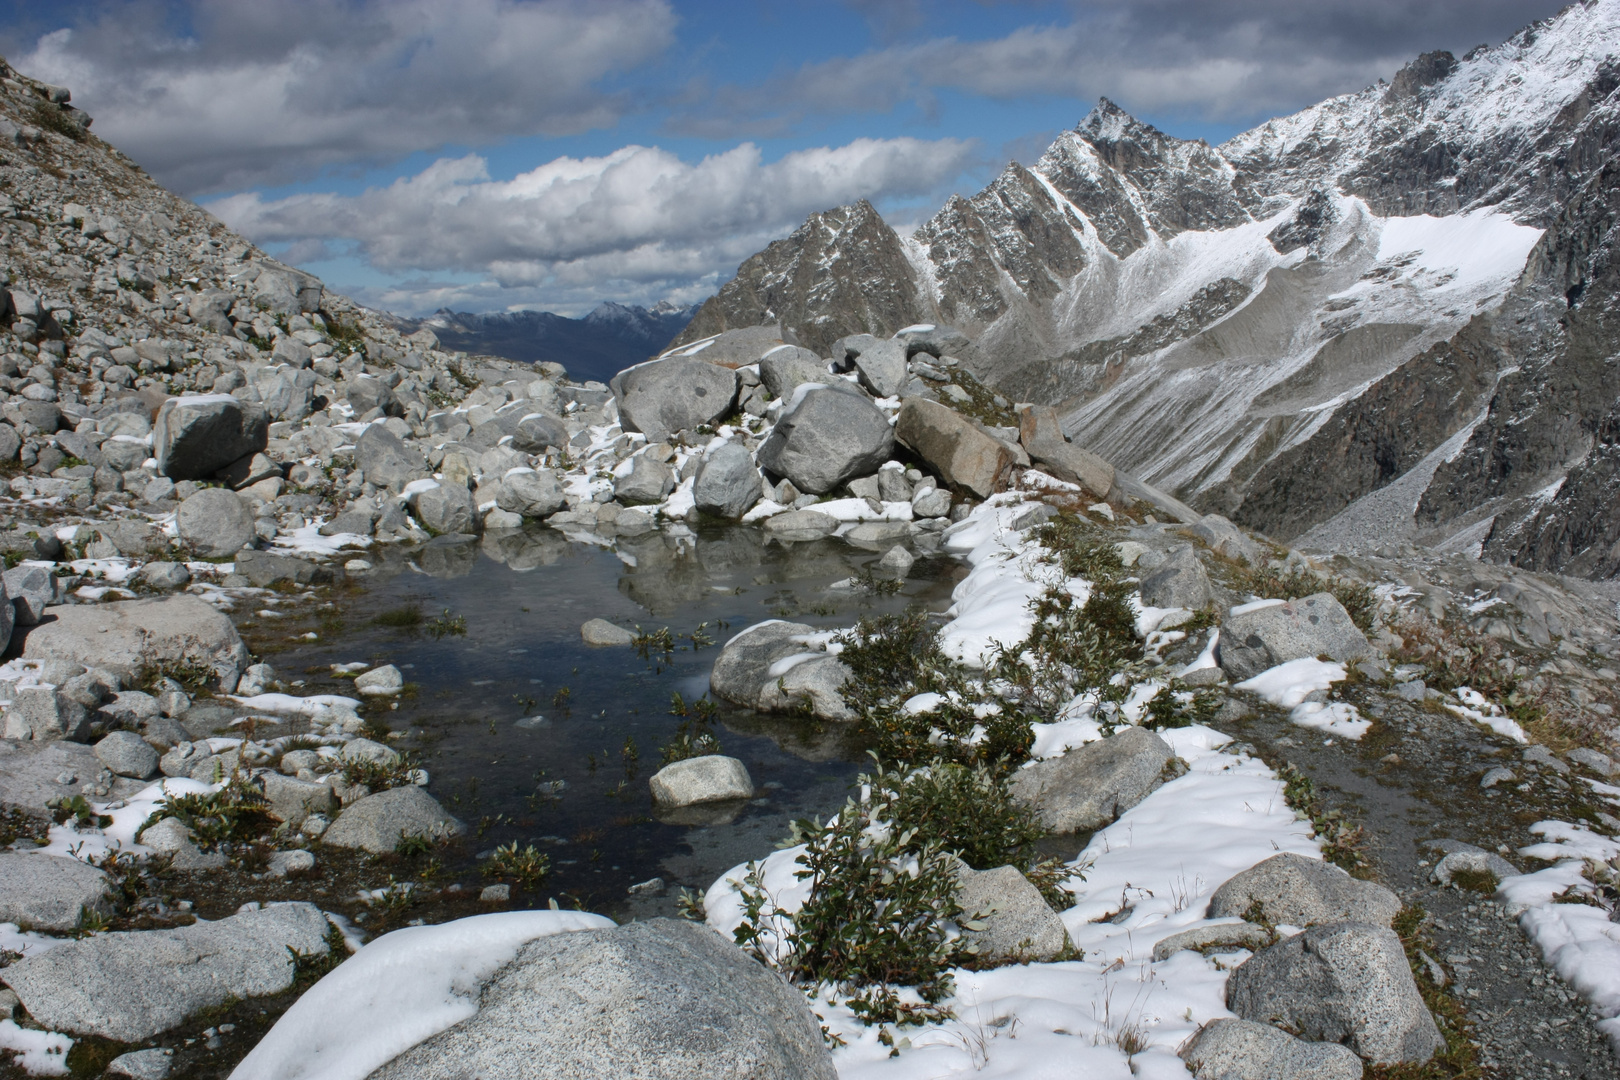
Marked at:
<point>639,216</point>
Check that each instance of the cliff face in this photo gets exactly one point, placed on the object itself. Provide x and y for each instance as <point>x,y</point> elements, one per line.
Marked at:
<point>1406,285</point>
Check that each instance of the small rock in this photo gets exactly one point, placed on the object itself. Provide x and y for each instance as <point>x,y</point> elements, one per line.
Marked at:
<point>1180,581</point>
<point>151,1064</point>
<point>381,680</point>
<point>1231,1049</point>
<point>602,632</point>
<point>296,861</point>
<point>127,754</point>
<point>1018,925</point>
<point>1473,861</point>
<point>1239,934</point>
<point>1495,776</point>
<point>378,822</point>
<point>496,894</point>
<point>49,892</point>
<point>710,778</point>
<point>897,559</point>
<point>1601,764</point>
<point>1416,690</point>
<point>650,887</point>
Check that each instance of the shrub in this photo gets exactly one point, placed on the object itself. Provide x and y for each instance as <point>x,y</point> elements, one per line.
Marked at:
<point>528,866</point>
<point>877,918</point>
<point>695,736</point>
<point>235,811</point>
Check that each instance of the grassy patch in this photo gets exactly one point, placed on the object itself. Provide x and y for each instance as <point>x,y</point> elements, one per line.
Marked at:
<point>1343,845</point>
<point>56,119</point>
<point>405,617</point>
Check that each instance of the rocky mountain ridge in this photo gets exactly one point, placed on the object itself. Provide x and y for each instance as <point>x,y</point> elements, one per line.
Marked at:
<point>1394,299</point>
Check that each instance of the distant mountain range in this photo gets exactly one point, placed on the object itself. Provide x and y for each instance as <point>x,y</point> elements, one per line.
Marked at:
<point>598,346</point>
<point>1392,315</point>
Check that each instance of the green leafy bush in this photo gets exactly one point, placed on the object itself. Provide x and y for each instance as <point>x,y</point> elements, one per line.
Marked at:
<point>234,812</point>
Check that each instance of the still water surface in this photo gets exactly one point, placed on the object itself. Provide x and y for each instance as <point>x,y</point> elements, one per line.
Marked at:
<point>530,735</point>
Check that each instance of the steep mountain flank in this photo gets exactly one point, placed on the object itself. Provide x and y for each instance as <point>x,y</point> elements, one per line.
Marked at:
<point>1405,284</point>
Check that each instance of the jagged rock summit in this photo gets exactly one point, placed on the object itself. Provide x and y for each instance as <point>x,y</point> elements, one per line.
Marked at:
<point>1380,318</point>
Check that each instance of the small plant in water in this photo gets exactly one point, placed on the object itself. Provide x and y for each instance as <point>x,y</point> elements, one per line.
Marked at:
<point>447,625</point>
<point>695,736</point>
<point>527,866</point>
<point>236,811</point>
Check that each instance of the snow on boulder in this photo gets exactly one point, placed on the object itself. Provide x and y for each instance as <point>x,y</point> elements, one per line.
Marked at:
<point>1258,638</point>
<point>663,998</point>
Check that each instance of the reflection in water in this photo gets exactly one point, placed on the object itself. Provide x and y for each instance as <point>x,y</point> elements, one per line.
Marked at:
<point>532,736</point>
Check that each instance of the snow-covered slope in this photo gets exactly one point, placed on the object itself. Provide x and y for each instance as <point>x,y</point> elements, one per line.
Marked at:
<point>1280,327</point>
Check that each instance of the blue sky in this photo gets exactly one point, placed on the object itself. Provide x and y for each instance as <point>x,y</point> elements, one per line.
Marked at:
<point>495,154</point>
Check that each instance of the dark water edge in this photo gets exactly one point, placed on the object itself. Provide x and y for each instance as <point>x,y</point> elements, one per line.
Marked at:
<point>531,736</point>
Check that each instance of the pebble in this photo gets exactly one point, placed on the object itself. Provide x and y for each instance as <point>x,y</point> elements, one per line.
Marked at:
<point>496,894</point>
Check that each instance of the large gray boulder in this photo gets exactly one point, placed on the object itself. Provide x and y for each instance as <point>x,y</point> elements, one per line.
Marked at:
<point>1347,983</point>
<point>815,685</point>
<point>367,392</point>
<point>49,892</point>
<point>1260,639</point>
<point>34,773</point>
<point>1043,440</point>
<point>737,348</point>
<point>384,460</point>
<point>292,800</point>
<point>797,525</point>
<point>964,457</point>
<point>1090,786</point>
<point>831,435</point>
<point>1241,1050</point>
<point>132,985</point>
<point>1180,581</point>
<point>706,779</point>
<point>787,367</point>
<point>29,588</point>
<point>130,637</point>
<point>662,397</point>
<point>665,998</point>
<point>1297,890</point>
<point>215,523</point>
<point>378,822</point>
<point>647,482</point>
<point>529,493</point>
<point>742,671</point>
<point>446,508</point>
<point>127,754</point>
<point>41,713</point>
<point>540,431</point>
<point>727,483</point>
<point>880,363</point>
<point>195,437</point>
<point>1019,926</point>
<point>10,613</point>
